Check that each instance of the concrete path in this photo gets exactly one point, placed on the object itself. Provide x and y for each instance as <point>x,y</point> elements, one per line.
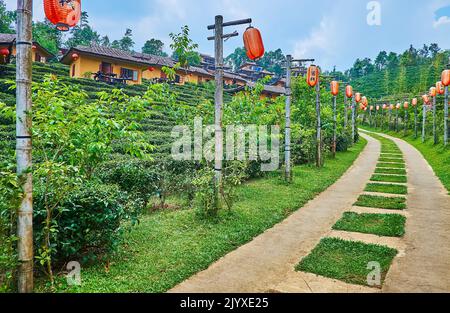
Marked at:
<point>425,265</point>
<point>267,263</point>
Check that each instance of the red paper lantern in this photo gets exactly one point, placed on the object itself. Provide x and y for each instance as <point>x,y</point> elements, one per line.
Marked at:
<point>391,107</point>
<point>33,47</point>
<point>312,77</point>
<point>75,56</point>
<point>445,78</point>
<point>357,97</point>
<point>63,14</point>
<point>4,52</point>
<point>151,68</point>
<point>362,106</point>
<point>378,108</point>
<point>398,106</point>
<point>406,105</point>
<point>439,88</point>
<point>334,88</point>
<point>364,101</point>
<point>384,106</point>
<point>433,92</point>
<point>349,91</point>
<point>425,99</point>
<point>253,43</point>
<point>371,108</point>
<point>414,102</point>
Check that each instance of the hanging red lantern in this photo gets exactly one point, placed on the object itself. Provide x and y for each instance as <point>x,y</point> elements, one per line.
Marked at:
<point>349,91</point>
<point>357,97</point>
<point>334,88</point>
<point>362,106</point>
<point>312,76</point>
<point>151,68</point>
<point>253,43</point>
<point>63,14</point>
<point>425,99</point>
<point>398,106</point>
<point>33,47</point>
<point>371,108</point>
<point>75,56</point>
<point>4,52</point>
<point>414,102</point>
<point>391,107</point>
<point>439,88</point>
<point>378,108</point>
<point>384,106</point>
<point>433,92</point>
<point>406,105</point>
<point>445,78</point>
<point>364,101</point>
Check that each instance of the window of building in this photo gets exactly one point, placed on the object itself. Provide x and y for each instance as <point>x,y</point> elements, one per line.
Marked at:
<point>106,68</point>
<point>129,74</point>
<point>73,70</point>
<point>37,57</point>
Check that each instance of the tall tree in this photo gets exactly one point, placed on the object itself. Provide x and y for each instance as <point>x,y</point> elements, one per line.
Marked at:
<point>7,18</point>
<point>237,58</point>
<point>381,60</point>
<point>105,42</point>
<point>126,43</point>
<point>83,34</point>
<point>273,61</point>
<point>46,34</point>
<point>154,47</point>
<point>184,48</point>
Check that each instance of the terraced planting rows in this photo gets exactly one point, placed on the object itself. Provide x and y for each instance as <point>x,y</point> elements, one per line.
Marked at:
<point>378,214</point>
<point>158,126</point>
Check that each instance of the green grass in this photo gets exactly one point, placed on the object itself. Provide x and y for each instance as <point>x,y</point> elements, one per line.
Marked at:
<point>390,225</point>
<point>168,247</point>
<point>396,171</point>
<point>389,179</point>
<point>396,203</point>
<point>391,165</point>
<point>347,260</point>
<point>392,160</point>
<point>437,156</point>
<point>393,189</point>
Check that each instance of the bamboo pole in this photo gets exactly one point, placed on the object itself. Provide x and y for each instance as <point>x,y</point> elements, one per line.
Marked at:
<point>424,122</point>
<point>319,125</point>
<point>334,127</point>
<point>435,135</point>
<point>23,144</point>
<point>353,119</point>
<point>415,122</point>
<point>446,117</point>
<point>288,175</point>
<point>345,112</point>
<point>218,99</point>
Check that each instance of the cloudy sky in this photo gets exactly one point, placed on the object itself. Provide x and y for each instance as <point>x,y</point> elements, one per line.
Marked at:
<point>334,32</point>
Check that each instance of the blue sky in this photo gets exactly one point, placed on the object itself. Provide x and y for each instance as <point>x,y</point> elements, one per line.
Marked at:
<point>335,32</point>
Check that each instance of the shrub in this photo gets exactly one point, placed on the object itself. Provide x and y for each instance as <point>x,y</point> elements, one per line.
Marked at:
<point>89,222</point>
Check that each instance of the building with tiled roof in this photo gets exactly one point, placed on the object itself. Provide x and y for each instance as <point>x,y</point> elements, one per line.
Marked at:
<point>8,41</point>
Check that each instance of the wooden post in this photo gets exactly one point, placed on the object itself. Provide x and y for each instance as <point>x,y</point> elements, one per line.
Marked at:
<point>390,119</point>
<point>353,119</point>
<point>446,134</point>
<point>23,144</point>
<point>396,120</point>
<point>319,126</point>
<point>415,121</point>
<point>345,112</point>
<point>435,136</point>
<point>424,122</point>
<point>288,175</point>
<point>334,127</point>
<point>405,123</point>
<point>218,99</point>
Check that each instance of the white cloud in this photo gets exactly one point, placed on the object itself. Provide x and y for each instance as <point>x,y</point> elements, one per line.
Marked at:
<point>320,43</point>
<point>443,20</point>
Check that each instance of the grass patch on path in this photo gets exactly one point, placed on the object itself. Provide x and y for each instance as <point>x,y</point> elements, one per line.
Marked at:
<point>392,160</point>
<point>437,156</point>
<point>393,189</point>
<point>378,202</point>
<point>347,260</point>
<point>168,247</point>
<point>394,171</point>
<point>391,165</point>
<point>390,225</point>
<point>388,179</point>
